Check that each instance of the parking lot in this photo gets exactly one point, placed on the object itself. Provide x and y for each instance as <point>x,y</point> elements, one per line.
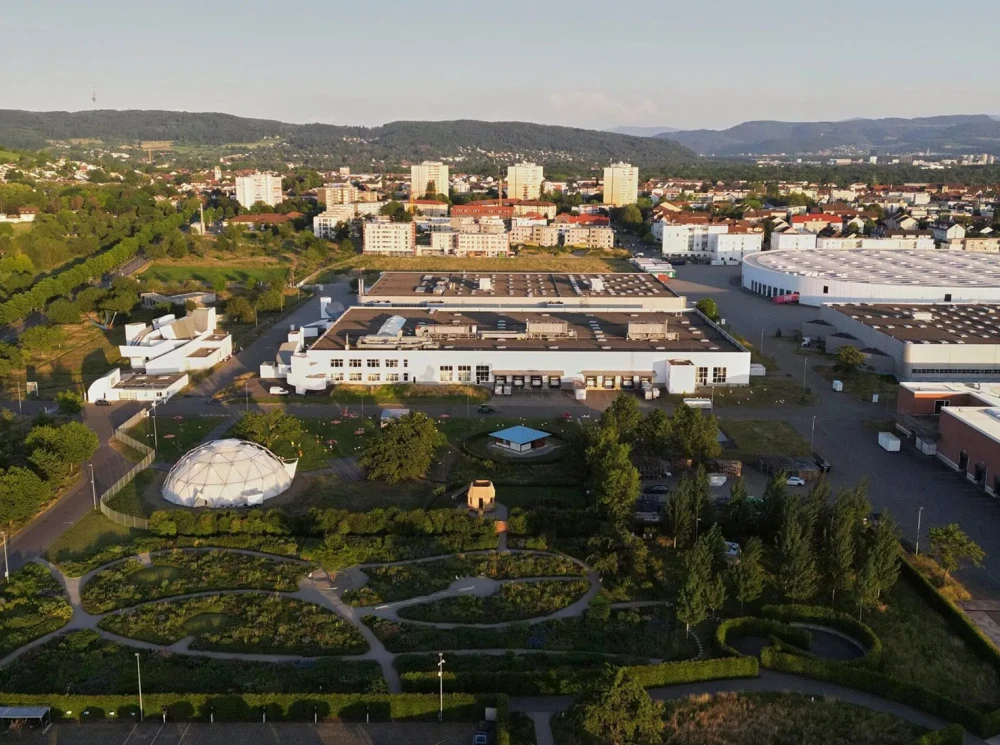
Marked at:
<point>154,732</point>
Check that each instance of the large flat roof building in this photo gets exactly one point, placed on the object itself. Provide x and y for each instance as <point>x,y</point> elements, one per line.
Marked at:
<point>524,289</point>
<point>874,276</point>
<point>943,341</point>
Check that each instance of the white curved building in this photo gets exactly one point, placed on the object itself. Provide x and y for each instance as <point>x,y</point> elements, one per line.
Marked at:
<point>227,473</point>
<point>875,276</point>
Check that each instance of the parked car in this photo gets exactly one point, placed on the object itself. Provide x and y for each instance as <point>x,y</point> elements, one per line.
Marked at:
<point>656,489</point>
<point>795,481</point>
<point>102,402</point>
<point>566,416</point>
<point>486,409</point>
<point>821,462</point>
<point>277,390</point>
<point>480,738</point>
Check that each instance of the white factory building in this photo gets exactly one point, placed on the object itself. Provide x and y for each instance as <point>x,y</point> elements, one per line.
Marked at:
<point>176,345</point>
<point>517,330</point>
<point>875,276</point>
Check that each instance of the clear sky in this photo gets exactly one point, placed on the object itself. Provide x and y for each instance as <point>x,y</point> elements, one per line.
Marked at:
<point>586,63</point>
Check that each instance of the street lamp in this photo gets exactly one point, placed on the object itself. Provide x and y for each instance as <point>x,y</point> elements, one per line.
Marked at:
<point>440,687</point>
<point>156,443</point>
<point>812,434</point>
<point>246,391</point>
<point>138,671</point>
<point>93,486</point>
<point>920,513</point>
<point>805,363</point>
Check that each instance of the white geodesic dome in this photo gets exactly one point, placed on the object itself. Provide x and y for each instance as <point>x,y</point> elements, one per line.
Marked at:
<point>227,473</point>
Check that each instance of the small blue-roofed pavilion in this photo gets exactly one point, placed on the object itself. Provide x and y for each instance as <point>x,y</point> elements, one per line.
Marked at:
<point>520,439</point>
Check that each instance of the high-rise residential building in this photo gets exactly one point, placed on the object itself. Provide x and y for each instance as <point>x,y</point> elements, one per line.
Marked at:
<point>621,184</point>
<point>429,176</point>
<point>524,181</point>
<point>259,187</point>
<point>396,238</point>
<point>337,194</point>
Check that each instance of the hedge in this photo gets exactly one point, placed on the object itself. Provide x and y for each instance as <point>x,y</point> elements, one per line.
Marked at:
<point>503,721</point>
<point>248,707</point>
<point>564,681</point>
<point>951,735</point>
<point>841,622</point>
<point>766,627</point>
<point>885,686</point>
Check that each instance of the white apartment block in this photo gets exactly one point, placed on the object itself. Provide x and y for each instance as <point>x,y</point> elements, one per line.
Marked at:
<point>621,184</point>
<point>259,187</point>
<point>325,223</point>
<point>563,235</point>
<point>468,244</point>
<point>709,242</point>
<point>390,238</point>
<point>337,194</point>
<point>588,237</point>
<point>429,176</point>
<point>524,181</point>
<point>792,241</point>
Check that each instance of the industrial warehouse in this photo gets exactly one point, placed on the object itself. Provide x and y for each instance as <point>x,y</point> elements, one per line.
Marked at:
<point>874,276</point>
<point>942,341</point>
<point>524,289</point>
<point>578,343</point>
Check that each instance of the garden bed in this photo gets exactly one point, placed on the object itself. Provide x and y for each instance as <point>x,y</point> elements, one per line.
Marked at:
<point>82,663</point>
<point>32,604</point>
<point>401,582</point>
<point>246,623</point>
<point>185,572</point>
<point>515,601</point>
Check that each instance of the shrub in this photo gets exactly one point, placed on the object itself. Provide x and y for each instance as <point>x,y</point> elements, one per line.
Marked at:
<point>950,735</point>
<point>516,601</point>
<point>32,604</point>
<point>750,626</point>
<point>842,622</point>
<point>70,402</point>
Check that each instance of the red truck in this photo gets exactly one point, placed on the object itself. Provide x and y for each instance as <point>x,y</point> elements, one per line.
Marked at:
<point>792,297</point>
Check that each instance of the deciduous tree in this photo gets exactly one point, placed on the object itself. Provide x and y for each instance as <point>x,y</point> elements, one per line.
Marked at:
<point>403,450</point>
<point>950,545</point>
<point>616,710</point>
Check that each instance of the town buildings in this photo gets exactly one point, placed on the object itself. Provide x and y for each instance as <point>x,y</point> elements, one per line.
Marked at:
<point>524,181</point>
<point>259,187</point>
<point>337,194</point>
<point>621,184</point>
<point>390,238</point>
<point>718,242</point>
<point>429,177</point>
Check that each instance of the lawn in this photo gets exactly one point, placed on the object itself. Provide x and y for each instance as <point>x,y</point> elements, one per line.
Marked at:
<point>400,582</point>
<point>132,499</point>
<point>764,437</point>
<point>862,384</point>
<point>246,623</point>
<point>331,492</point>
<point>212,273</point>
<point>86,354</point>
<point>91,535</point>
<point>324,439</point>
<point>775,719</point>
<point>516,601</point>
<point>32,604</point>
<point>342,261</point>
<point>920,648</point>
<point>542,496</point>
<point>402,393</point>
<point>185,572</point>
<point>511,662</point>
<point>174,435</point>
<point>643,632</point>
<point>773,389</point>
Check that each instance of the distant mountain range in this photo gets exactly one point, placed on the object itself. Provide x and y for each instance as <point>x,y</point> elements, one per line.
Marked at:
<point>388,145</point>
<point>978,133</point>
<point>643,131</point>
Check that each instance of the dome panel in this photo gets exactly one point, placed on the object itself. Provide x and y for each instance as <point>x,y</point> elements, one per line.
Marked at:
<point>227,473</point>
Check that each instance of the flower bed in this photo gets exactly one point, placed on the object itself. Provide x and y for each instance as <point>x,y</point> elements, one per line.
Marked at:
<point>516,601</point>
<point>32,604</point>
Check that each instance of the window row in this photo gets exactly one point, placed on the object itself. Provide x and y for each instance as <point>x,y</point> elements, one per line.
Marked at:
<point>371,363</point>
<point>356,377</point>
<point>719,376</point>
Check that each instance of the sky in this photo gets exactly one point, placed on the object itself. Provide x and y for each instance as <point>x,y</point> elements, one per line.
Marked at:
<point>593,64</point>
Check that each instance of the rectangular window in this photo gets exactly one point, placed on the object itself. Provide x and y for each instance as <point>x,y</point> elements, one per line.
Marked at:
<point>482,373</point>
<point>392,377</point>
<point>355,377</point>
<point>373,363</point>
<point>406,377</point>
<point>392,363</point>
<point>446,374</point>
<point>338,377</point>
<point>826,289</point>
<point>718,375</point>
<point>336,363</point>
<point>464,373</point>
<point>355,363</point>
<point>373,377</point>
<point>406,363</point>
<point>701,376</point>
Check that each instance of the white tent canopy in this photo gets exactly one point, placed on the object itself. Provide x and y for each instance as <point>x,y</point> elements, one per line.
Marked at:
<point>227,473</point>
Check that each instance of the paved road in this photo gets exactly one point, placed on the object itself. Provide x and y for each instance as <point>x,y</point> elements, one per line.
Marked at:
<point>903,481</point>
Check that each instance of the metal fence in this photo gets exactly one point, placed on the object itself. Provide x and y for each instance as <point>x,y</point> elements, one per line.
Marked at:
<point>132,521</point>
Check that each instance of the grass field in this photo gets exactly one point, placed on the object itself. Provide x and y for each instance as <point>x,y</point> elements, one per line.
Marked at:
<point>174,435</point>
<point>85,355</point>
<point>6,156</point>
<point>91,532</point>
<point>764,437</point>
<point>211,273</point>
<point>557,263</point>
<point>131,500</point>
<point>862,385</point>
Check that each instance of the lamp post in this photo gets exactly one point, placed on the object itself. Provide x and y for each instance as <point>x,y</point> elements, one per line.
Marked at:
<point>805,364</point>
<point>156,439</point>
<point>246,392</point>
<point>6,564</point>
<point>440,687</point>
<point>138,672</point>
<point>761,348</point>
<point>93,486</point>
<point>920,513</point>
<point>812,434</point>
<point>19,409</point>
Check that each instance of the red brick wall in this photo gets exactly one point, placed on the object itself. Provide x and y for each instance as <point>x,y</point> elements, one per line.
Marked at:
<point>957,436</point>
<point>922,404</point>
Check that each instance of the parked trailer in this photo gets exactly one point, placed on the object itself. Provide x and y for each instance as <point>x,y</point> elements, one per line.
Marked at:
<point>792,297</point>
<point>888,441</point>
